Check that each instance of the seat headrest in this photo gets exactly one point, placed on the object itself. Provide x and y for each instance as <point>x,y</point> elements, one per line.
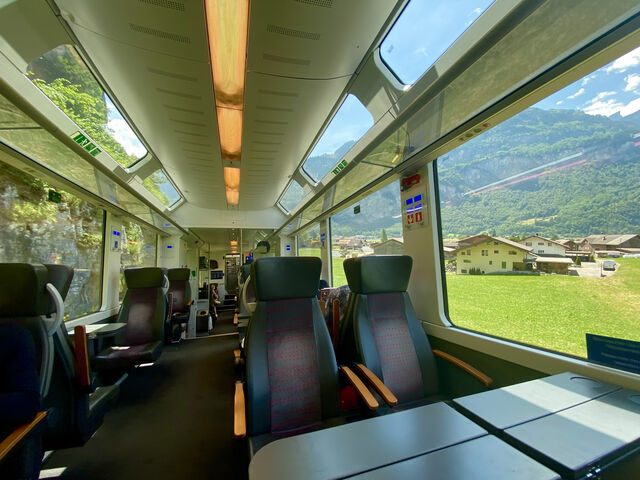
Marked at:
<point>23,290</point>
<point>60,276</point>
<point>378,273</point>
<point>277,278</point>
<point>144,277</point>
<point>178,274</point>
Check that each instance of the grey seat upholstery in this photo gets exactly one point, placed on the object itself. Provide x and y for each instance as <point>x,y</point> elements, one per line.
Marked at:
<point>74,412</point>
<point>292,375</point>
<point>381,329</point>
<point>180,291</point>
<point>143,309</point>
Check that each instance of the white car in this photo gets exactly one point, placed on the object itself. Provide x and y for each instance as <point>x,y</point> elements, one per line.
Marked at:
<point>608,265</point>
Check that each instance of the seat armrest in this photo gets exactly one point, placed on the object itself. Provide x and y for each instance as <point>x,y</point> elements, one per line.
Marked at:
<point>15,437</point>
<point>81,355</point>
<point>486,380</point>
<point>239,412</point>
<point>377,384</point>
<point>235,319</point>
<point>361,389</point>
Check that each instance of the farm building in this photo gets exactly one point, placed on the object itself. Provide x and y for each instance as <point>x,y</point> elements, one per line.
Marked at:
<point>491,254</point>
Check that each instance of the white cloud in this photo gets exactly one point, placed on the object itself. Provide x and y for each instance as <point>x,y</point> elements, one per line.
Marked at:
<point>421,51</point>
<point>577,94</point>
<point>607,108</point>
<point>632,107</point>
<point>625,62</point>
<point>478,11</point>
<point>600,96</point>
<point>586,80</point>
<point>633,81</point>
<point>123,134</point>
<point>559,102</point>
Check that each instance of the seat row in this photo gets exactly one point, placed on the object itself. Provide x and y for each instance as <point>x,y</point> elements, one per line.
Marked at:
<point>294,381</point>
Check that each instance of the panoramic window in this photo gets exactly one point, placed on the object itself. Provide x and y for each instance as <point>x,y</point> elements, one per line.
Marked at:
<point>555,192</point>
<point>138,250</point>
<point>375,230</point>
<point>350,123</point>
<point>292,196</point>
<point>309,242</point>
<point>42,224</point>
<point>64,77</point>
<point>424,31</point>
<point>161,187</point>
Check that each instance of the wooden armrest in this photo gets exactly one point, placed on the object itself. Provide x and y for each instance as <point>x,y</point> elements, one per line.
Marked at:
<point>474,372</point>
<point>377,385</point>
<point>361,389</point>
<point>335,321</point>
<point>81,355</point>
<point>235,318</point>
<point>239,414</point>
<point>323,308</point>
<point>18,434</point>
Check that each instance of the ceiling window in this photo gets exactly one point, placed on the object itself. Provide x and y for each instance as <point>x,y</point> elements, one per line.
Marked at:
<point>64,77</point>
<point>293,195</point>
<point>161,187</point>
<point>348,125</point>
<point>424,31</point>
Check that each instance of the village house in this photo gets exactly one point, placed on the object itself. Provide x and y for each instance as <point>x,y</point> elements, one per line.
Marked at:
<point>544,246</point>
<point>613,242</point>
<point>491,254</point>
<point>390,247</point>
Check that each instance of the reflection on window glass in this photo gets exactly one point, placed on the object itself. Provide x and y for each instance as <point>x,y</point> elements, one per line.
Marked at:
<point>376,230</point>
<point>37,230</point>
<point>309,243</point>
<point>349,124</point>
<point>424,31</point>
<point>540,217</point>
<point>161,187</point>
<point>292,197</point>
<point>138,250</point>
<point>63,77</point>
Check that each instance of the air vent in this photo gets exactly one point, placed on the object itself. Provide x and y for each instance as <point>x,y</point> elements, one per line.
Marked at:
<point>260,158</point>
<point>272,122</point>
<point>171,5</point>
<point>180,109</point>
<point>290,32</point>
<point>195,151</point>
<point>191,133</point>
<point>177,76</point>
<point>292,61</point>
<point>267,143</point>
<point>279,94</point>
<point>160,33</point>
<point>207,145</point>
<point>188,123</point>
<point>264,151</point>
<point>179,94</point>
<point>317,3</point>
<point>274,109</point>
<point>267,133</point>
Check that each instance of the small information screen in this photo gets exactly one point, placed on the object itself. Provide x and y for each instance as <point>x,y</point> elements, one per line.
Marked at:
<point>413,194</point>
<point>614,352</point>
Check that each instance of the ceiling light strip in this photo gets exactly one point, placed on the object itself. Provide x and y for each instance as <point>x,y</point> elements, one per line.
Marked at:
<point>227,27</point>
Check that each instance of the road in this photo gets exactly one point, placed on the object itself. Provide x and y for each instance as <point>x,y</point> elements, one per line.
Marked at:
<point>591,270</point>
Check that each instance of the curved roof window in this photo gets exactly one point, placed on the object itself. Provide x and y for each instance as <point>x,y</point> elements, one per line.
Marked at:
<point>424,31</point>
<point>64,77</point>
<point>292,196</point>
<point>161,187</point>
<point>350,123</point>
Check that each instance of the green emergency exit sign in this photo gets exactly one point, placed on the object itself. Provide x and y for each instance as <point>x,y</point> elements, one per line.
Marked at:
<point>338,168</point>
<point>84,142</point>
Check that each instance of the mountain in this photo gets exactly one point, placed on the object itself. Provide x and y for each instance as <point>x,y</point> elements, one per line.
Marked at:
<point>318,166</point>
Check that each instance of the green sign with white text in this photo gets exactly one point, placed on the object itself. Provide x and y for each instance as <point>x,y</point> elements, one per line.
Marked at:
<point>84,142</point>
<point>338,168</point>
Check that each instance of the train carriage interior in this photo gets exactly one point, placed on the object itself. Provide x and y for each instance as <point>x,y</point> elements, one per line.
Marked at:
<point>319,239</point>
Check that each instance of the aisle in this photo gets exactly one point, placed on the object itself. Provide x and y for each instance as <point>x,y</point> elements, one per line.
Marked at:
<point>173,420</point>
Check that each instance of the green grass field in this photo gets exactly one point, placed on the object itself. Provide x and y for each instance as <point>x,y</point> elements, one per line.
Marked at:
<point>339,277</point>
<point>551,311</point>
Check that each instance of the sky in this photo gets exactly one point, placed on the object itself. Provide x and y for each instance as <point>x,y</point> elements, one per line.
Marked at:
<point>614,88</point>
<point>121,131</point>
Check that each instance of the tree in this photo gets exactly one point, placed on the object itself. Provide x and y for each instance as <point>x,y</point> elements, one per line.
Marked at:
<point>383,236</point>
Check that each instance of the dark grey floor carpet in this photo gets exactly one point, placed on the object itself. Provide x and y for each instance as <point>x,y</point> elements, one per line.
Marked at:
<point>173,420</point>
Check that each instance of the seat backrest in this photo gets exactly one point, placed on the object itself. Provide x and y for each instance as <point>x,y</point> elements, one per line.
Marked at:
<point>387,335</point>
<point>24,300</point>
<point>292,376</point>
<point>143,308</point>
<point>179,288</point>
